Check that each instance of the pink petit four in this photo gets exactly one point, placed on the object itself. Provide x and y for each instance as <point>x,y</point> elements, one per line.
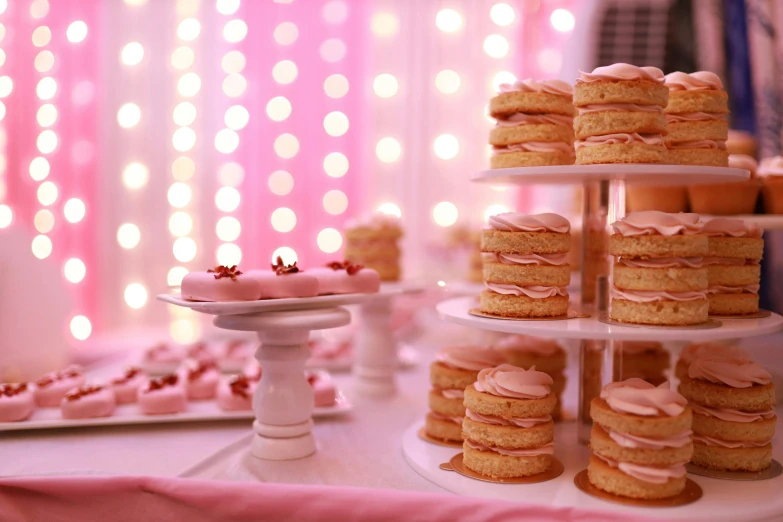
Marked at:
<point>163,395</point>
<point>234,355</point>
<point>126,388</point>
<point>346,278</point>
<point>236,394</point>
<point>285,281</point>
<point>88,401</point>
<point>16,402</point>
<point>200,352</point>
<point>162,359</point>
<point>221,283</point>
<point>201,379</point>
<point>324,392</point>
<point>324,349</point>
<point>52,387</point>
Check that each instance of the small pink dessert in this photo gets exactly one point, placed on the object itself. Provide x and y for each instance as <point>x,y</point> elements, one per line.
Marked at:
<point>162,359</point>
<point>163,395</point>
<point>324,392</point>
<point>346,278</point>
<point>235,355</point>
<point>284,281</point>
<point>126,388</point>
<point>16,402</point>
<point>88,401</point>
<point>201,379</point>
<point>200,352</point>
<point>236,394</point>
<point>52,387</point>
<point>253,371</point>
<point>221,283</point>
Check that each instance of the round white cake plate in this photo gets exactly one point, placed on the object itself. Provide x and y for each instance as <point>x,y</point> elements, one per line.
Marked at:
<point>265,305</point>
<point>456,311</point>
<point>765,221</point>
<point>646,174</point>
<point>723,500</point>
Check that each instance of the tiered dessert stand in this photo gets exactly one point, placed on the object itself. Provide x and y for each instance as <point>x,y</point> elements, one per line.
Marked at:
<point>604,203</point>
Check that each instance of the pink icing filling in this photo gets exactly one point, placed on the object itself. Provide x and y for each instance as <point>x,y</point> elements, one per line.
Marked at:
<point>558,87</point>
<point>649,474</point>
<point>625,107</point>
<point>746,289</point>
<point>743,161</point>
<point>535,146</point>
<point>727,227</point>
<point>653,222</point>
<point>521,118</point>
<point>734,261</point>
<point>529,344</point>
<point>694,116</point>
<point>731,415</point>
<point>701,350</point>
<point>522,422</point>
<point>771,166</point>
<point>639,397</point>
<point>514,222</point>
<point>546,449</point>
<point>626,440</point>
<point>447,418</point>
<point>472,358</point>
<point>622,72</point>
<point>663,262</point>
<point>698,144</point>
<point>514,382</point>
<point>652,296</point>
<point>533,292</point>
<point>453,393</point>
<point>527,259</point>
<point>697,81</point>
<point>731,372</point>
<point>712,441</point>
<point>619,138</point>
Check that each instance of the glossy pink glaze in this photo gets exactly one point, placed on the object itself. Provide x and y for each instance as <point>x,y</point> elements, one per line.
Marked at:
<point>201,380</point>
<point>365,281</point>
<point>16,405</point>
<point>49,395</point>
<point>202,286</point>
<point>452,393</point>
<point>99,404</point>
<point>169,399</point>
<point>273,286</point>
<point>126,387</point>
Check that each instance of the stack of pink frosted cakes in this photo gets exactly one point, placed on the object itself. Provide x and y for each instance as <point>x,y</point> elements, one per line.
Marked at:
<point>374,242</point>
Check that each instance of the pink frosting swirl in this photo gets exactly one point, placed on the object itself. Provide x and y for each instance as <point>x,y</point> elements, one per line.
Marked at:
<point>522,422</point>
<point>558,87</point>
<point>619,138</point>
<point>513,382</point>
<point>529,344</point>
<point>731,415</point>
<point>514,222</point>
<point>694,116</point>
<point>652,296</point>
<point>452,393</point>
<point>622,72</point>
<point>745,289</point>
<point>535,146</point>
<point>743,161</point>
<point>533,291</point>
<point>447,418</point>
<point>698,81</point>
<point>526,259</point>
<point>698,144</point>
<point>662,262</point>
<point>638,397</point>
<point>624,107</point>
<point>653,475</point>
<point>702,350</point>
<point>546,449</point>
<point>521,118</point>
<point>473,358</point>
<point>727,227</point>
<point>733,261</point>
<point>653,222</point>
<point>771,166</point>
<point>712,441</point>
<point>730,372</point>
<point>626,440</point>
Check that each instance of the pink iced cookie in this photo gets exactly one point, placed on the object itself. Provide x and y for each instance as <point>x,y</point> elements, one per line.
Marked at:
<point>201,379</point>
<point>285,281</point>
<point>126,388</point>
<point>234,355</point>
<point>346,278</point>
<point>163,395</point>
<point>16,402</point>
<point>236,394</point>
<point>162,359</point>
<point>88,401</point>
<point>52,387</point>
<point>324,392</point>
<point>221,283</point>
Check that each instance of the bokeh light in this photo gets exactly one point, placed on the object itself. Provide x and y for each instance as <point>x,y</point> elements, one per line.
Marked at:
<point>445,213</point>
<point>129,115</point>
<point>562,20</point>
<point>81,328</point>
<point>496,46</point>
<point>281,182</point>
<point>446,146</point>
<point>332,50</point>
<point>184,114</point>
<point>234,85</point>
<point>74,270</point>
<point>189,84</point>
<point>41,246</point>
<point>501,78</point>
<point>179,195</point>
<point>284,72</point>
<point>278,108</point>
<point>231,174</point>
<point>335,164</point>
<point>229,254</point>
<point>227,199</point>
<point>329,240</point>
<point>182,58</point>
<point>385,85</point>
<point>47,115</point>
<point>183,168</point>
<point>237,117</point>
<point>336,123</point>
<point>384,25</point>
<point>185,331</point>
<point>447,81</point>
<point>184,249</point>
<point>286,146</point>
<point>226,141</point>
<point>502,14</point>
<point>128,235</point>
<point>228,228</point>
<point>184,139</point>
<point>550,60</point>
<point>335,12</point>
<point>46,88</point>
<point>335,202</point>
<point>44,61</point>
<point>135,295</point>
<point>235,31</point>
<point>135,175</point>
<point>132,53</point>
<point>390,209</point>
<point>188,29</point>
<point>494,210</point>
<point>227,7</point>
<point>336,86</point>
<point>47,193</point>
<point>44,221</point>
<point>76,32</point>
<point>74,210</point>
<point>175,275</point>
<point>6,216</point>
<point>388,150</point>
<point>233,62</point>
<point>286,33</point>
<point>283,219</point>
<point>287,253</point>
<point>180,224</point>
<point>41,36</point>
<point>448,20</point>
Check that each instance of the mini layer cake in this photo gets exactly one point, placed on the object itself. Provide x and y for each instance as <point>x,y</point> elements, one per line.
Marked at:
<point>727,199</point>
<point>454,369</point>
<point>236,394</point>
<point>696,116</point>
<point>16,402</point>
<point>126,387</point>
<point>508,428</point>
<point>529,275</point>
<point>163,395</point>
<point>534,121</point>
<point>201,379</point>
<point>641,440</point>
<point>52,387</point>
<point>620,115</point>
<point>646,360</point>
<point>88,402</point>
<point>162,358</point>
<point>702,350</point>
<point>734,413</point>
<point>346,278</point>
<point>284,281</point>
<point>735,249</point>
<point>221,283</point>
<point>657,277</point>
<point>373,242</point>
<point>546,355</point>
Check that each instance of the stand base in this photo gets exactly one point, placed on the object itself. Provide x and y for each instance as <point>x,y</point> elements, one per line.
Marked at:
<point>283,442</point>
<point>375,382</point>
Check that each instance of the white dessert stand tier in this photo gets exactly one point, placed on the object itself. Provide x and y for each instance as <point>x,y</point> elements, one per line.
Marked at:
<point>283,400</point>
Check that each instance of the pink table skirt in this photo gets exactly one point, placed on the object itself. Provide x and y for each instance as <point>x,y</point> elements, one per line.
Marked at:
<point>54,499</point>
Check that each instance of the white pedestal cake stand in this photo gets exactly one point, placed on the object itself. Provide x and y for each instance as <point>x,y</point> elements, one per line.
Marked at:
<point>283,400</point>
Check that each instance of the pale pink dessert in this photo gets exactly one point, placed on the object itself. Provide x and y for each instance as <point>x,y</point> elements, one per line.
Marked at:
<point>200,352</point>
<point>284,281</point>
<point>346,278</point>
<point>88,401</point>
<point>163,395</point>
<point>16,402</point>
<point>201,379</point>
<point>52,387</point>
<point>253,371</point>
<point>234,355</point>
<point>126,387</point>
<point>236,394</point>
<point>324,392</point>
<point>221,283</point>
<point>162,359</point>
